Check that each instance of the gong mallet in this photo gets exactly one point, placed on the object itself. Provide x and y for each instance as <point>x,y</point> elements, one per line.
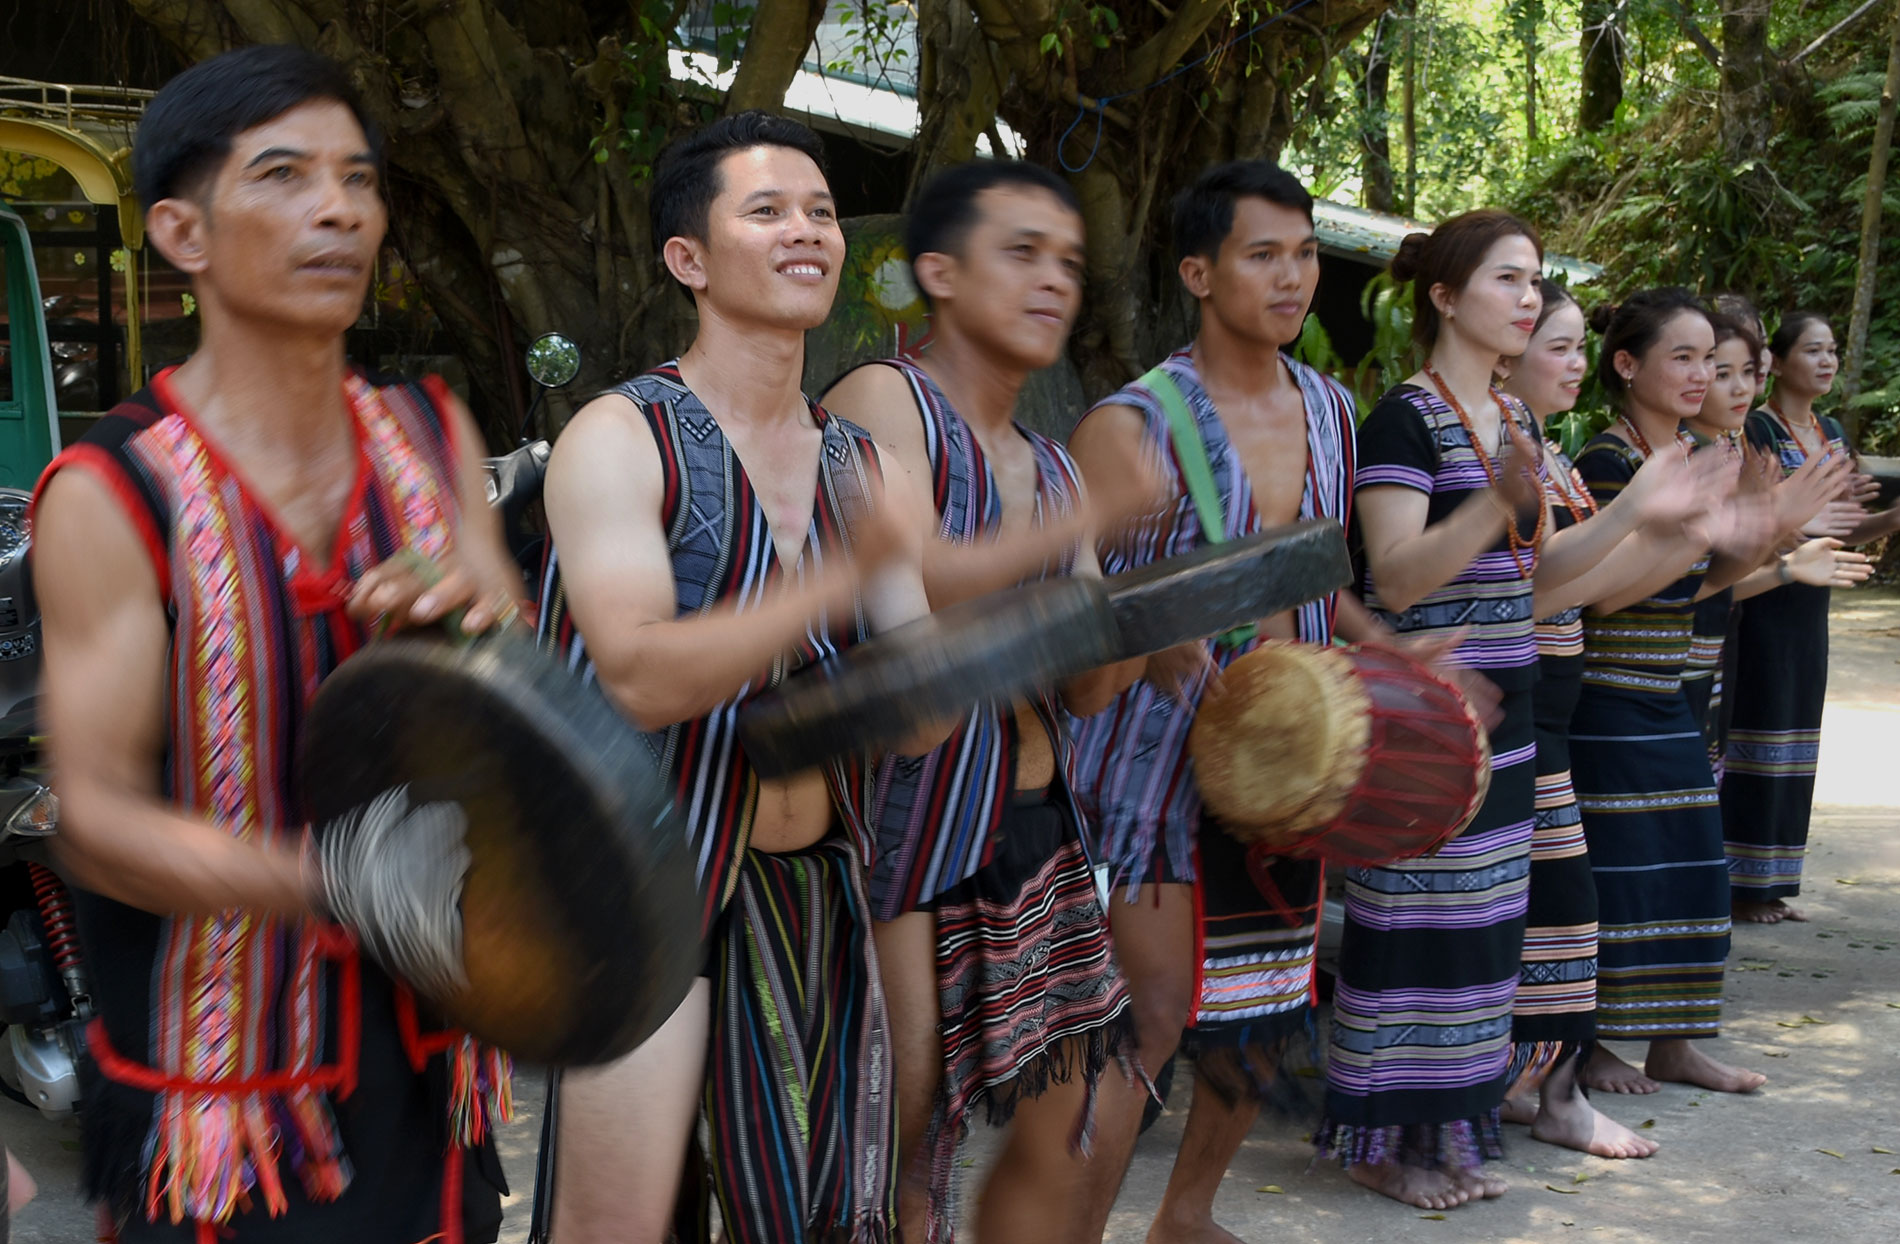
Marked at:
<point>999,647</point>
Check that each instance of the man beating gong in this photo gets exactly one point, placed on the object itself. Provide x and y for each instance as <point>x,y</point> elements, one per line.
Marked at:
<point>204,558</point>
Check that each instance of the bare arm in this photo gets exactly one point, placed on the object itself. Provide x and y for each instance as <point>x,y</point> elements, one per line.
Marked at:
<point>1409,560</point>
<point>1088,694</point>
<point>879,400</point>
<point>107,648</point>
<point>603,503</point>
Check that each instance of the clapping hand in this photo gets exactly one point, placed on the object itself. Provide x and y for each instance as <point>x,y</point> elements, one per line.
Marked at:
<point>1824,563</point>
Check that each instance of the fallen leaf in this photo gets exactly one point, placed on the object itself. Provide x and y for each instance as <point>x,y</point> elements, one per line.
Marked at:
<point>1582,1179</point>
<point>1846,881</point>
<point>1441,1217</point>
<point>1647,1123</point>
<point>1878,1149</point>
<point>1809,1019</point>
<point>1832,1153</point>
<point>1775,1053</point>
<point>1276,1189</point>
<point>1565,1191</point>
<point>1894,1005</point>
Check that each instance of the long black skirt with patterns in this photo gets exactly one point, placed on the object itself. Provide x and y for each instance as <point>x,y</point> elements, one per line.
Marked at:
<point>1774,740</point>
<point>1655,833</point>
<point>1554,1016</point>
<point>1708,673</point>
<point>1421,1039</point>
<point>1027,986</point>
<point>799,1094</point>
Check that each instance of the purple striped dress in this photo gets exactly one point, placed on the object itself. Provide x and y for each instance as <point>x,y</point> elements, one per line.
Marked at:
<point>1421,1034</point>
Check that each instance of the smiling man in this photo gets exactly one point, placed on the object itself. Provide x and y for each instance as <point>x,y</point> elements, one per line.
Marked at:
<point>205,557</point>
<point>713,530</point>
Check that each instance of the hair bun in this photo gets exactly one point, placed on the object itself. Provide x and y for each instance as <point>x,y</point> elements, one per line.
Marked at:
<point>1410,256</point>
<point>1601,316</point>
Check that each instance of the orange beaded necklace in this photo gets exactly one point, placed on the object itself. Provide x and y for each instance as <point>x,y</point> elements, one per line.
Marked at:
<point>1517,542</point>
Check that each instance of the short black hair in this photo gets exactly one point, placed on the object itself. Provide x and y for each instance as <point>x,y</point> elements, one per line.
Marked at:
<point>186,132</point>
<point>686,176</point>
<point>945,211</point>
<point>1204,212</point>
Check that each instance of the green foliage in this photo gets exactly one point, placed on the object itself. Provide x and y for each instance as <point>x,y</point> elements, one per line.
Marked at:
<point>876,41</point>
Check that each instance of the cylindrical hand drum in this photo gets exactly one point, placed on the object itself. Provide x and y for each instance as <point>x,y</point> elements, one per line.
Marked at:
<point>579,922</point>
<point>1356,755</point>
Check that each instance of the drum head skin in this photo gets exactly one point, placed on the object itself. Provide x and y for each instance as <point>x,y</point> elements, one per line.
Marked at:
<point>995,649</point>
<point>580,916</point>
<point>1279,744</point>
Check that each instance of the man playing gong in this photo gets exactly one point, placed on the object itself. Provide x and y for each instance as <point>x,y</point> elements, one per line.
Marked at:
<point>992,940</point>
<point>204,558</point>
<point>1274,440</point>
<point>714,529</point>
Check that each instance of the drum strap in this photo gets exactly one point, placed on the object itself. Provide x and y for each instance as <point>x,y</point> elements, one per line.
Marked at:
<point>1191,452</point>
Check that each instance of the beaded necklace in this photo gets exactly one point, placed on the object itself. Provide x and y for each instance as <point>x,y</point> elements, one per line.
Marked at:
<point>1569,486</point>
<point>1794,431</point>
<point>1516,541</point>
<point>1641,442</point>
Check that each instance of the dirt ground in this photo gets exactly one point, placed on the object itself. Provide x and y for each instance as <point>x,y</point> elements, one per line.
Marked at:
<point>1813,1156</point>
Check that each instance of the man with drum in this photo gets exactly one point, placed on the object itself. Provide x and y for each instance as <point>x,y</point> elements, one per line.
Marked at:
<point>1271,441</point>
<point>713,529</point>
<point>204,558</point>
<point>993,942</point>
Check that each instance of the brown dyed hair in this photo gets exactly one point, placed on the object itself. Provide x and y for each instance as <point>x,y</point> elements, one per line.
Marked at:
<point>1447,256</point>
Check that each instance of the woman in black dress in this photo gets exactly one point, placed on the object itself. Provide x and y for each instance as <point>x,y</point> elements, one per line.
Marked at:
<point>1774,739</point>
<point>1650,810</point>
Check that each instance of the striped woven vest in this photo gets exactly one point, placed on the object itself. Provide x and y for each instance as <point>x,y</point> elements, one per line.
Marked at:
<point>240,1002</point>
<point>722,549</point>
<point>936,814</point>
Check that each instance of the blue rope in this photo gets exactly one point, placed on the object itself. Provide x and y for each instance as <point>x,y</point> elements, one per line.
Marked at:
<point>1100,106</point>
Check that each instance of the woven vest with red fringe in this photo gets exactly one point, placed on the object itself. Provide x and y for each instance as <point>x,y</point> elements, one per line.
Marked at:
<point>241,1004</point>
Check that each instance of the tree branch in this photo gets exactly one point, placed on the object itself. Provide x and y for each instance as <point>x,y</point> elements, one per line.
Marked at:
<point>1165,48</point>
<point>1686,20</point>
<point>194,27</point>
<point>1836,29</point>
<point>775,48</point>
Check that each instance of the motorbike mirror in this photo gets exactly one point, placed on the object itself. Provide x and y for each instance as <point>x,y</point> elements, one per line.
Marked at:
<point>553,360</point>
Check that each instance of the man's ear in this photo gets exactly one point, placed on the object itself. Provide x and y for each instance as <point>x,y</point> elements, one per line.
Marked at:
<point>685,258</point>
<point>935,273</point>
<point>1195,271</point>
<point>176,229</point>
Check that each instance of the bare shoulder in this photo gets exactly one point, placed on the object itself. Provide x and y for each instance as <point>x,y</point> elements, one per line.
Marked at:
<point>606,444</point>
<point>879,400</point>
<point>84,538</point>
<point>1111,426</point>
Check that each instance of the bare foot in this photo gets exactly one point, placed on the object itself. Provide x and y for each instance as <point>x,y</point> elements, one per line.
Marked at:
<point>1411,1185</point>
<point>1188,1229</point>
<point>1520,1110</point>
<point>1682,1063</point>
<point>1758,913</point>
<point>1481,1184</point>
<point>1790,913</point>
<point>1607,1073</point>
<point>1575,1124</point>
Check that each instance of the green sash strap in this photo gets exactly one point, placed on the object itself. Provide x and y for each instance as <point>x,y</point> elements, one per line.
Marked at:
<point>1191,452</point>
